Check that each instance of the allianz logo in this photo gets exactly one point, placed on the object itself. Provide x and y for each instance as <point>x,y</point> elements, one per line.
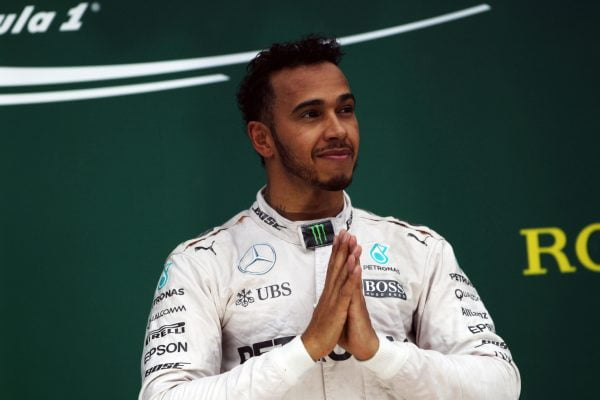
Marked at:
<point>39,21</point>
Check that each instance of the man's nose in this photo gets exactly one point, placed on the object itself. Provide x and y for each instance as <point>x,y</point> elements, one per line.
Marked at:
<point>334,129</point>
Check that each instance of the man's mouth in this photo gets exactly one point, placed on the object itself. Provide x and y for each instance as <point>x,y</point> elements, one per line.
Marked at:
<point>336,154</point>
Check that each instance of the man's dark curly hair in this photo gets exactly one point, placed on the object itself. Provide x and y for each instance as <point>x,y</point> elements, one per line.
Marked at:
<point>255,94</point>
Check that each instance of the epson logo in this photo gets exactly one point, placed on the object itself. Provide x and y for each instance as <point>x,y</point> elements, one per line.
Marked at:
<point>167,294</point>
<point>481,328</point>
<point>383,288</point>
<point>175,365</point>
<point>164,349</point>
<point>40,21</point>
<point>165,330</point>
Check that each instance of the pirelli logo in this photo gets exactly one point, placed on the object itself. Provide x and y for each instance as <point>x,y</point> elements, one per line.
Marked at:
<point>164,330</point>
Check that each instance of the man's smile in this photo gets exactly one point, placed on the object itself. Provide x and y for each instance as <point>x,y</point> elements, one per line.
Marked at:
<point>336,154</point>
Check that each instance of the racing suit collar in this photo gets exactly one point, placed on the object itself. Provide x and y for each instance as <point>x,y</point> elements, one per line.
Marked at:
<point>291,231</point>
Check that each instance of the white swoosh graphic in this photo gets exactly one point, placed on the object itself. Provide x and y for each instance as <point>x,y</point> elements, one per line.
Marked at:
<point>83,94</point>
<point>27,76</point>
<point>22,76</point>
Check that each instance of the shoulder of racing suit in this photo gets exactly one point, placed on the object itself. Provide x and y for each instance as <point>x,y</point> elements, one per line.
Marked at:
<point>420,233</point>
<point>206,239</point>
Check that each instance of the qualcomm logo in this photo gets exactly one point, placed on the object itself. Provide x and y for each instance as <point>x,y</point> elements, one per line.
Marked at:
<point>33,76</point>
<point>258,260</point>
<point>378,253</point>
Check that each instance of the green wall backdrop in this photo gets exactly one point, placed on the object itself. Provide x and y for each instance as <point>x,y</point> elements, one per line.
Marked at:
<point>484,128</point>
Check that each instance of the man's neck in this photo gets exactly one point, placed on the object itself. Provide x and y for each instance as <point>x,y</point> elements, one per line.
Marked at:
<point>303,204</point>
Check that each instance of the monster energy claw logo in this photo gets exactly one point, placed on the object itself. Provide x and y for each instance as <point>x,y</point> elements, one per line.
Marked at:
<point>318,232</point>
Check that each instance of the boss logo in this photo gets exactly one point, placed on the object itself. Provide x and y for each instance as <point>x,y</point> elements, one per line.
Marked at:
<point>383,288</point>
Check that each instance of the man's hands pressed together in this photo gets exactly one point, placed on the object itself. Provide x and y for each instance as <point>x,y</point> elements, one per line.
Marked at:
<point>341,315</point>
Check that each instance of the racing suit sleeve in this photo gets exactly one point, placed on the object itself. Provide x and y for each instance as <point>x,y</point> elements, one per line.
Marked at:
<point>182,347</point>
<point>457,354</point>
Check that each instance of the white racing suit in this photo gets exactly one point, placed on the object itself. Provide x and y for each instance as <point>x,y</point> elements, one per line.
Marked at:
<point>230,307</point>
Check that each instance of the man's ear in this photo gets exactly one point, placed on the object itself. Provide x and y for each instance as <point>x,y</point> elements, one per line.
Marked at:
<point>261,139</point>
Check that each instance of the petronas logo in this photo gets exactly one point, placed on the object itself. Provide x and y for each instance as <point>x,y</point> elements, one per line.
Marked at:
<point>318,232</point>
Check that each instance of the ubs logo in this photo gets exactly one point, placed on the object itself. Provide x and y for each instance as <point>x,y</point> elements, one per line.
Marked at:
<point>245,296</point>
<point>258,259</point>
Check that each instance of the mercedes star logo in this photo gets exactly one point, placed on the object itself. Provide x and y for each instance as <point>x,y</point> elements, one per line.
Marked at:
<point>258,259</point>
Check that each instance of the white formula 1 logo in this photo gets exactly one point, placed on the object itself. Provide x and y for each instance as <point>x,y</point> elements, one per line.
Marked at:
<point>39,21</point>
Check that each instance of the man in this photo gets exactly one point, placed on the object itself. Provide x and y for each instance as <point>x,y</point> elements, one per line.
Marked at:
<point>303,296</point>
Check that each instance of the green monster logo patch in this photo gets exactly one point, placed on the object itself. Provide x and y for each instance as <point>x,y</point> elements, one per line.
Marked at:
<point>318,234</point>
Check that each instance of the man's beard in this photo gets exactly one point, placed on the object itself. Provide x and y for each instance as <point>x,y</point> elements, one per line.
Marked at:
<point>309,175</point>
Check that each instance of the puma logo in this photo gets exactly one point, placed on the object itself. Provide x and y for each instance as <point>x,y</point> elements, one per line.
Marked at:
<point>419,240</point>
<point>207,248</point>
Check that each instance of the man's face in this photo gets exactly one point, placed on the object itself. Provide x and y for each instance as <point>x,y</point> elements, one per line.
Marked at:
<point>314,126</point>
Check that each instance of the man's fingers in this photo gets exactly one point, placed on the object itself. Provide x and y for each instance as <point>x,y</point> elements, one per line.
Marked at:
<point>339,256</point>
<point>345,256</point>
<point>356,252</point>
<point>358,268</point>
<point>348,286</point>
<point>357,278</point>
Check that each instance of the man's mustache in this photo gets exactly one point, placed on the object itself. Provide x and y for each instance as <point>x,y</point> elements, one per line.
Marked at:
<point>341,146</point>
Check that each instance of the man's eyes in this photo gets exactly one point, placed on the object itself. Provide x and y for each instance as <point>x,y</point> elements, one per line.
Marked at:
<point>309,114</point>
<point>346,110</point>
